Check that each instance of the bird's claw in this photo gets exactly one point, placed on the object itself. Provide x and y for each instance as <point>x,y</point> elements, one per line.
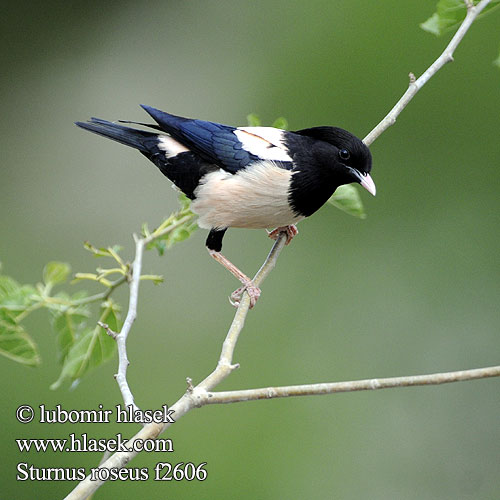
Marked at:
<point>252,290</point>
<point>291,231</point>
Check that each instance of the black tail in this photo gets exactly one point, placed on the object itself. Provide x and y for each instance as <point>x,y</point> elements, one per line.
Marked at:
<point>184,169</point>
<point>145,142</point>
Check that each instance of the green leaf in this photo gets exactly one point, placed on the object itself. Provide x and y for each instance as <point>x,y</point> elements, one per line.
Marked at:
<point>68,325</point>
<point>161,246</point>
<point>111,315</point>
<point>14,298</point>
<point>8,287</point>
<point>281,123</point>
<point>347,199</point>
<point>15,343</point>
<point>89,351</point>
<point>180,233</point>
<point>93,348</point>
<point>56,272</point>
<point>449,14</point>
<point>253,120</point>
<point>184,202</point>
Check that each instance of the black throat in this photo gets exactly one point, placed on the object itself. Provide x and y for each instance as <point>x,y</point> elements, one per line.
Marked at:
<point>310,189</point>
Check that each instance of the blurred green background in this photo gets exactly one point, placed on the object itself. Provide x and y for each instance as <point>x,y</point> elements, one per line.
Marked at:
<point>412,289</point>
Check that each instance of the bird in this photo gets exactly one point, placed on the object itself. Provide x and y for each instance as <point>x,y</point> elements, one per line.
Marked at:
<point>245,177</point>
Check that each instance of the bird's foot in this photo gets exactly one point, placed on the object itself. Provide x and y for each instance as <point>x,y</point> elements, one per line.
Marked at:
<point>291,231</point>
<point>252,290</point>
<point>248,285</point>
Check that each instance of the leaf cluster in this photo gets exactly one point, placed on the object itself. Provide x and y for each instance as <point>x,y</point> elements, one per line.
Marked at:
<point>450,14</point>
<point>174,229</point>
<point>81,343</point>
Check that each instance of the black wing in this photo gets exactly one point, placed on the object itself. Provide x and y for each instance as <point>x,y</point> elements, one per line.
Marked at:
<point>214,142</point>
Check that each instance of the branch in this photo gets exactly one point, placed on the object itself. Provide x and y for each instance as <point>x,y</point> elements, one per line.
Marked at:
<point>416,84</point>
<point>356,385</point>
<point>225,366</point>
<point>192,396</point>
<point>121,338</point>
<point>103,295</point>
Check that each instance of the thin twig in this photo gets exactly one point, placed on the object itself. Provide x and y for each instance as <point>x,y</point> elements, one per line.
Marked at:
<point>121,338</point>
<point>103,295</point>
<point>416,85</point>
<point>158,234</point>
<point>355,385</point>
<point>108,330</point>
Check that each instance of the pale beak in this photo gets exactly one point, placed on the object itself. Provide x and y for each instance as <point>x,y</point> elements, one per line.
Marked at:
<point>366,181</point>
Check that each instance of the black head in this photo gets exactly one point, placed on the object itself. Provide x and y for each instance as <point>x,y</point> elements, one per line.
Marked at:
<point>350,152</point>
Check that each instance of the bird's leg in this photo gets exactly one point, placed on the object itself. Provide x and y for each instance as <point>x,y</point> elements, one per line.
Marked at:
<point>252,290</point>
<point>291,231</point>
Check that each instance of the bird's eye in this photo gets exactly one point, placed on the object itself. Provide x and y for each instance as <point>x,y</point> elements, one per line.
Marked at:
<point>344,154</point>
